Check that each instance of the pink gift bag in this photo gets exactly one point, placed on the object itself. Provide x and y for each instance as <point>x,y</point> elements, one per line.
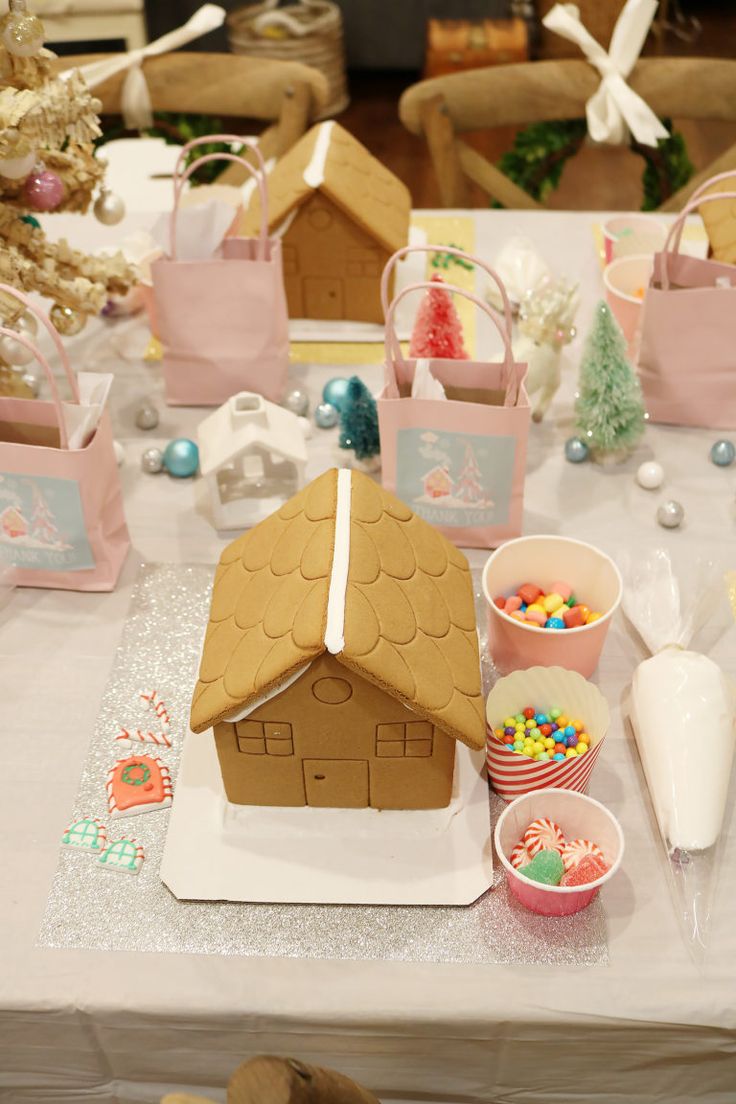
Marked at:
<point>61,509</point>
<point>687,340</point>
<point>458,462</point>
<point>222,321</point>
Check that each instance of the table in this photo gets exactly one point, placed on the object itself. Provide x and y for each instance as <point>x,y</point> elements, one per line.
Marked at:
<point>99,1027</point>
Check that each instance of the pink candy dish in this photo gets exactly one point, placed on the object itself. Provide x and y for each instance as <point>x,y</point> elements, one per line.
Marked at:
<point>543,560</point>
<point>579,817</point>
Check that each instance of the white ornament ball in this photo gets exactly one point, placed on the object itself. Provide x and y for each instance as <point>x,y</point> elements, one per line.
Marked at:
<point>670,515</point>
<point>12,352</point>
<point>17,168</point>
<point>27,324</point>
<point>109,208</point>
<point>119,452</point>
<point>650,475</point>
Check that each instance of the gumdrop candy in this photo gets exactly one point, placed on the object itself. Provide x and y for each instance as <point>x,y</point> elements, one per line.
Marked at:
<point>546,867</point>
<point>589,869</point>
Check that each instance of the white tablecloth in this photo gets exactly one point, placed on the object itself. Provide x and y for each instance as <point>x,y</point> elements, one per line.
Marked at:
<point>92,1026</point>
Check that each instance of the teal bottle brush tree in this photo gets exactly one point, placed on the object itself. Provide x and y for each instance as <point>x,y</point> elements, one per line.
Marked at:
<point>359,426</point>
<point>609,410</point>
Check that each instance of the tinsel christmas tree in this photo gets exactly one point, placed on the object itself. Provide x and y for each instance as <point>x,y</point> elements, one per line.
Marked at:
<point>609,411</point>
<point>47,163</point>
<point>359,421</point>
<point>437,331</point>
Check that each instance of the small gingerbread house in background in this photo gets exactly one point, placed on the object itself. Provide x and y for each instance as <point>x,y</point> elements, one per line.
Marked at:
<point>253,457</point>
<point>341,214</point>
<point>340,664</point>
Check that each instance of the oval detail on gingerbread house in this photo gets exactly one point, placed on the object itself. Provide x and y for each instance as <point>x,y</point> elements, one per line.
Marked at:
<point>332,691</point>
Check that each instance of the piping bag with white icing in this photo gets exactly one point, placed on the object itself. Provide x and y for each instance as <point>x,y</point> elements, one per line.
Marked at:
<point>682,711</point>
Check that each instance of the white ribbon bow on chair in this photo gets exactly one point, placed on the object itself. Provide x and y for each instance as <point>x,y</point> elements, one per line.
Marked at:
<point>135,99</point>
<point>614,106</point>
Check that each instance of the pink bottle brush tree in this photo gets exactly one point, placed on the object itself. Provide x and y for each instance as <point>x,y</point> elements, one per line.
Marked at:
<point>438,332</point>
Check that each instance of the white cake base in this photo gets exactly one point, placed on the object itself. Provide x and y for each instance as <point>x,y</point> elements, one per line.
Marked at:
<point>220,852</point>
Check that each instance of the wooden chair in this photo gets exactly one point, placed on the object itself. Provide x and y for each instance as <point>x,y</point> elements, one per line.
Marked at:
<point>283,1081</point>
<point>444,108</point>
<point>285,94</point>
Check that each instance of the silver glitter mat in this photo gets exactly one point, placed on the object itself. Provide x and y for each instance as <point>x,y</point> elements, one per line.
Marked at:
<point>94,909</point>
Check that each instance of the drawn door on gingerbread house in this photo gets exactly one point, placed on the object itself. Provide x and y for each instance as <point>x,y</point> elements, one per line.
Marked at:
<point>336,783</point>
<point>323,297</point>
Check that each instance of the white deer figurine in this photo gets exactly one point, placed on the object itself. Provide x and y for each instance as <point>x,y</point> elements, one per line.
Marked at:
<point>544,327</point>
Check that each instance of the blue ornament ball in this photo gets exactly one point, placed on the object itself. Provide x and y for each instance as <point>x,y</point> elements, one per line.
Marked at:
<point>576,451</point>
<point>181,458</point>
<point>326,415</point>
<point>723,453</point>
<point>335,392</point>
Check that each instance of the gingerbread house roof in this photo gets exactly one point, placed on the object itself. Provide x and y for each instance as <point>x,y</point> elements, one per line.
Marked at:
<point>344,567</point>
<point>330,160</point>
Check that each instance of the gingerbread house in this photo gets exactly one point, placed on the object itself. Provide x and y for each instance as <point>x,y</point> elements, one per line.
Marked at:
<point>341,214</point>
<point>340,664</point>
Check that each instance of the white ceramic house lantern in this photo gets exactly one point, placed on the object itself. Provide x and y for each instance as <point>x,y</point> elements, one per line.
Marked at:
<point>253,458</point>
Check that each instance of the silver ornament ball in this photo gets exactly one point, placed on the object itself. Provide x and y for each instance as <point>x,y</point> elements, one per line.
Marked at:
<point>297,401</point>
<point>146,416</point>
<point>31,383</point>
<point>326,416</point>
<point>12,352</point>
<point>723,453</point>
<point>670,514</point>
<point>152,461</point>
<point>650,475</point>
<point>109,208</point>
<point>576,450</point>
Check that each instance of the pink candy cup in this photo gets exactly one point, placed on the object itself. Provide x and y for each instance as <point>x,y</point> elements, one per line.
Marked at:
<point>579,816</point>
<point>597,583</point>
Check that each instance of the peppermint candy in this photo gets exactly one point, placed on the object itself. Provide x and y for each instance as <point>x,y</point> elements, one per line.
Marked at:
<point>520,856</point>
<point>574,851</point>
<point>543,835</point>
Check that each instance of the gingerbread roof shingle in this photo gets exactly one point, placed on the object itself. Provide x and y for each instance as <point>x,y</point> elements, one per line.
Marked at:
<point>409,617</point>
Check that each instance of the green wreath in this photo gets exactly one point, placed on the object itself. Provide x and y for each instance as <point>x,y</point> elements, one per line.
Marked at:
<point>541,151</point>
<point>130,777</point>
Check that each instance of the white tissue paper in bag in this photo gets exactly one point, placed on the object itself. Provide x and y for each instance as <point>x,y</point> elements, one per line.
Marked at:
<point>81,419</point>
<point>682,712</point>
<point>424,385</point>
<point>199,230</point>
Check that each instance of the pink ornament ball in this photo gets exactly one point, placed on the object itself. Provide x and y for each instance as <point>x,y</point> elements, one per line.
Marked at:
<point>43,191</point>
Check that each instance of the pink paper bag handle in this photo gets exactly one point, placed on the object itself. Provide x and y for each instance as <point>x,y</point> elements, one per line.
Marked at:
<point>673,238</point>
<point>731,175</point>
<point>28,344</point>
<point>260,180</point>
<point>251,143</point>
<point>392,345</point>
<point>453,251</point>
<point>43,318</point>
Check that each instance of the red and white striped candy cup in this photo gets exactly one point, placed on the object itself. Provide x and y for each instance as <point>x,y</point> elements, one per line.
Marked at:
<point>544,688</point>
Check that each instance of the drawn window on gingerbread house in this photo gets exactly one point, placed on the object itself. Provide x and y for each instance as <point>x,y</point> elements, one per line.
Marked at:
<point>264,738</point>
<point>289,260</point>
<point>319,218</point>
<point>398,741</point>
<point>363,262</point>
